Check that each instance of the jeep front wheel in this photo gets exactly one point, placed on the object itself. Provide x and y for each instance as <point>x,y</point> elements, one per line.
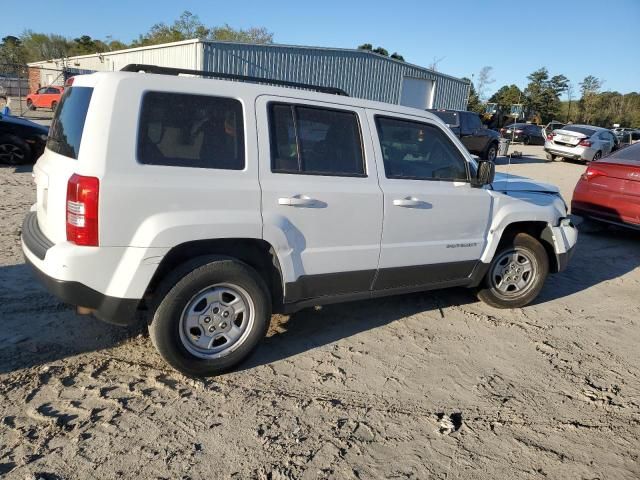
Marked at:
<point>212,318</point>
<point>516,274</point>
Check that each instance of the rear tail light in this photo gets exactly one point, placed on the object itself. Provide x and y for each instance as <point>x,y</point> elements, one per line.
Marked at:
<point>550,136</point>
<point>585,143</point>
<point>82,210</point>
<point>519,131</point>
<point>593,172</point>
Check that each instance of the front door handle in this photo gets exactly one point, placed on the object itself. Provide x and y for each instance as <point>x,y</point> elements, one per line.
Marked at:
<point>411,202</point>
<point>297,201</point>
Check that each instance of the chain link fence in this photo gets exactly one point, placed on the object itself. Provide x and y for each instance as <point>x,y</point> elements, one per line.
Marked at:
<point>18,82</point>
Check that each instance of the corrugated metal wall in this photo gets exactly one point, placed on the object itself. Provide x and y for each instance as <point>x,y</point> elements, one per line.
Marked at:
<point>182,55</point>
<point>360,74</point>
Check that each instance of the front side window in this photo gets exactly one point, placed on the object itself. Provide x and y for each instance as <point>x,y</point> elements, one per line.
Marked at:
<point>67,126</point>
<point>316,141</point>
<point>198,131</point>
<point>418,151</point>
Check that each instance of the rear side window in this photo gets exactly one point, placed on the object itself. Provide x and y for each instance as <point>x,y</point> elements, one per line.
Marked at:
<point>198,131</point>
<point>66,129</point>
<point>315,141</point>
<point>450,118</point>
<point>417,151</point>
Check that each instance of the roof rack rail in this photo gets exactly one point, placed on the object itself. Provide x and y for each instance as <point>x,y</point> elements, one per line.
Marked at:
<point>140,67</point>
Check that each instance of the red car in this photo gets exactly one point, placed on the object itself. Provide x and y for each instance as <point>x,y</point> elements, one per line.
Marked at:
<point>609,190</point>
<point>45,97</point>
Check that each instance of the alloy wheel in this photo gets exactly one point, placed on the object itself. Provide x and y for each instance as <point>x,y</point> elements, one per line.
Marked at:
<point>216,321</point>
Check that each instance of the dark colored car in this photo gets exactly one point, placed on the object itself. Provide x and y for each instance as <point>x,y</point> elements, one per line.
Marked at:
<point>468,127</point>
<point>609,190</point>
<point>21,141</point>
<point>523,132</point>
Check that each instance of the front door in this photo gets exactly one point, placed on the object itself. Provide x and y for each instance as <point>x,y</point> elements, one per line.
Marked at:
<point>435,223</point>
<point>321,202</point>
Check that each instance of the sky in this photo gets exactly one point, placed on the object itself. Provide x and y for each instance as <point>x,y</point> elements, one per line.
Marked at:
<point>575,38</point>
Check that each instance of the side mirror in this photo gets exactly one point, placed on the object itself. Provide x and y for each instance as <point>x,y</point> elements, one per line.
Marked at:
<point>486,173</point>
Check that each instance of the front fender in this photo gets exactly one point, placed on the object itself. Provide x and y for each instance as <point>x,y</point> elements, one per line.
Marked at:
<point>516,207</point>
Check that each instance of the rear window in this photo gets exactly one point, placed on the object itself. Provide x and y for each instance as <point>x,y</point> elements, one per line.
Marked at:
<point>198,131</point>
<point>450,118</point>
<point>584,131</point>
<point>66,129</point>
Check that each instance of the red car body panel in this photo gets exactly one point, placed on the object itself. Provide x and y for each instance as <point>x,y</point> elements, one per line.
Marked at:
<point>609,189</point>
<point>45,96</point>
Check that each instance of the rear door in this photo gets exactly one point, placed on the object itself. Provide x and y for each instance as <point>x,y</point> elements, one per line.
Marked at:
<point>40,98</point>
<point>435,223</point>
<point>321,202</point>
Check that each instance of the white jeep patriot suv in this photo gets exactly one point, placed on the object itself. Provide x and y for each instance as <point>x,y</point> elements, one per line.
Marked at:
<point>210,204</point>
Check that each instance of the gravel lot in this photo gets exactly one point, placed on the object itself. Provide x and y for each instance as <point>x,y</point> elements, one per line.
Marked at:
<point>432,385</point>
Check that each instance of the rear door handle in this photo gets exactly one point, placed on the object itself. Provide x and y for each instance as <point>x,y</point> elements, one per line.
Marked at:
<point>410,202</point>
<point>297,201</point>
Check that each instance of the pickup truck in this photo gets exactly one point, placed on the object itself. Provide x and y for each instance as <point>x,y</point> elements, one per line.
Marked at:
<point>475,136</point>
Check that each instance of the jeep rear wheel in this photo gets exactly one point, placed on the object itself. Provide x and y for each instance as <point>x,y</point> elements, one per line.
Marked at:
<point>211,318</point>
<point>516,274</point>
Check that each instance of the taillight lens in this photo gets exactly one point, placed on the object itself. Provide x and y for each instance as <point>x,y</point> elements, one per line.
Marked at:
<point>82,210</point>
<point>550,136</point>
<point>593,172</point>
<point>585,143</point>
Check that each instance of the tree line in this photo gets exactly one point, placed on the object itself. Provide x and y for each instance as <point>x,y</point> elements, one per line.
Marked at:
<point>541,100</point>
<point>33,46</point>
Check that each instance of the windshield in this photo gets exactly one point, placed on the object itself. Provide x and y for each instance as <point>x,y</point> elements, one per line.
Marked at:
<point>68,123</point>
<point>450,118</point>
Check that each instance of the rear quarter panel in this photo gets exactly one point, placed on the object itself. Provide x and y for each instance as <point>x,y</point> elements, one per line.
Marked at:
<point>163,206</point>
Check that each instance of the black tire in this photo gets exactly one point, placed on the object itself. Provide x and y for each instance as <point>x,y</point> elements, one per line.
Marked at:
<point>181,287</point>
<point>527,140</point>
<point>30,105</point>
<point>14,150</point>
<point>54,105</point>
<point>491,152</point>
<point>597,156</point>
<point>525,245</point>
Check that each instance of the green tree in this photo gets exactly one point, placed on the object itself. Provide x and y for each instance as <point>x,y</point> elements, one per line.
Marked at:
<point>250,35</point>
<point>381,51</point>
<point>85,45</point>
<point>542,94</point>
<point>12,51</point>
<point>189,26</point>
<point>588,103</point>
<point>506,96</point>
<point>42,46</point>
<point>474,104</point>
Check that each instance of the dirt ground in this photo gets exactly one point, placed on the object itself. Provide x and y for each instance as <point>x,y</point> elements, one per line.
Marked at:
<point>430,385</point>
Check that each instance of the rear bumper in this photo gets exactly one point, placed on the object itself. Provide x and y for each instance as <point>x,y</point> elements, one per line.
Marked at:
<point>119,311</point>
<point>51,264</point>
<point>574,153</point>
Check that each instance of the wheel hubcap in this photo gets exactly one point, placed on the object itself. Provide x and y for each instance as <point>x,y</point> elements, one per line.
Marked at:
<point>216,321</point>
<point>513,274</point>
<point>10,153</point>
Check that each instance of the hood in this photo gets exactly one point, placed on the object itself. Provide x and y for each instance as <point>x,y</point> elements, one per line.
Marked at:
<point>23,123</point>
<point>504,182</point>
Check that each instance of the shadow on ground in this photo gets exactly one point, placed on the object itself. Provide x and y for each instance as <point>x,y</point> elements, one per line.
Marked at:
<point>37,329</point>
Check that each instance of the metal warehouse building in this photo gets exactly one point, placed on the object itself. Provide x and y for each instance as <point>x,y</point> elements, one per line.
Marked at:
<point>360,73</point>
